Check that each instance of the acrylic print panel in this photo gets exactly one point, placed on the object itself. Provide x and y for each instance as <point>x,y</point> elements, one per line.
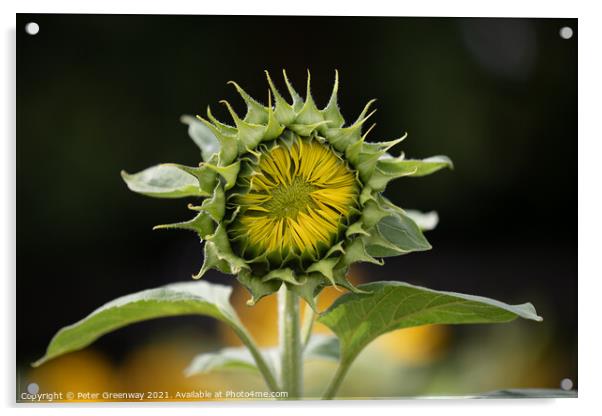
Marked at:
<point>311,248</point>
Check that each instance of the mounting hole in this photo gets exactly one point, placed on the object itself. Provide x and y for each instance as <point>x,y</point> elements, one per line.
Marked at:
<point>32,28</point>
<point>566,32</point>
<point>566,384</point>
<point>33,388</point>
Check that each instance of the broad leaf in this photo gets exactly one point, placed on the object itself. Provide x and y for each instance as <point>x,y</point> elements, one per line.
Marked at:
<point>202,136</point>
<point>357,319</point>
<point>163,181</point>
<point>190,298</point>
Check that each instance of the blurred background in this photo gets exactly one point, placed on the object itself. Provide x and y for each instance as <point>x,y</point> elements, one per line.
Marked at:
<point>97,94</point>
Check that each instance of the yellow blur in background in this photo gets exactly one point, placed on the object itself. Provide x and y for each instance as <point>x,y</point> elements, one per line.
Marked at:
<point>426,360</point>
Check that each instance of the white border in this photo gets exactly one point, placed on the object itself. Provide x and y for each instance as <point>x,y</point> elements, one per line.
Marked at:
<point>590,194</point>
<point>466,8</point>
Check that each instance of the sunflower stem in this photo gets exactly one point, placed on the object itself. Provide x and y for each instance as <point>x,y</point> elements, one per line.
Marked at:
<point>308,324</point>
<point>309,318</point>
<point>290,343</point>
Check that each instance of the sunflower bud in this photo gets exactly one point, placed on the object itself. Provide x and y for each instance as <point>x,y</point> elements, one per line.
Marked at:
<point>292,195</point>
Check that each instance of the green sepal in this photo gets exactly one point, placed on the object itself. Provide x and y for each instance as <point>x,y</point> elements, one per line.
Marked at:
<point>228,151</point>
<point>283,111</point>
<point>354,151</point>
<point>377,246</point>
<point>202,136</point>
<point>202,224</point>
<point>297,100</point>
<point>224,250</point>
<point>341,138</point>
<point>366,195</point>
<point>286,275</point>
<point>273,128</point>
<point>340,279</point>
<point>390,168</point>
<point>356,228</point>
<point>306,129</point>
<point>337,248</point>
<point>206,177</point>
<point>256,113</point>
<point>325,268</point>
<point>365,156</point>
<point>385,146</point>
<point>355,252</point>
<point>212,260</point>
<point>248,134</point>
<point>219,255</point>
<point>223,127</point>
<point>364,115</point>
<point>257,287</point>
<point>163,181</point>
<point>423,167</point>
<point>216,205</point>
<point>309,114</point>
<point>373,212</point>
<point>331,112</point>
<point>309,289</point>
<point>229,173</point>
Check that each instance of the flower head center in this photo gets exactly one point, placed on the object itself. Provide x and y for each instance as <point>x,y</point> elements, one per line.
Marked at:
<point>288,199</point>
<point>295,201</point>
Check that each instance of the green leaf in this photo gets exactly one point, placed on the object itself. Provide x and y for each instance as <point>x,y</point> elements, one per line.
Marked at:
<point>307,290</point>
<point>163,181</point>
<point>190,298</point>
<point>358,319</point>
<point>202,136</point>
<point>202,224</point>
<point>229,173</point>
<point>257,286</point>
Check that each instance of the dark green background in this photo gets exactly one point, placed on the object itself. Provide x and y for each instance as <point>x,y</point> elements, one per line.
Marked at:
<point>97,94</point>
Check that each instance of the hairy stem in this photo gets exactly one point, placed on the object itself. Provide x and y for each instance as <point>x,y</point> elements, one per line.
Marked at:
<point>308,324</point>
<point>290,343</point>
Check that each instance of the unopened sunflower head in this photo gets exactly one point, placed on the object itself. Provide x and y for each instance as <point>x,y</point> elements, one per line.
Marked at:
<point>292,195</point>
